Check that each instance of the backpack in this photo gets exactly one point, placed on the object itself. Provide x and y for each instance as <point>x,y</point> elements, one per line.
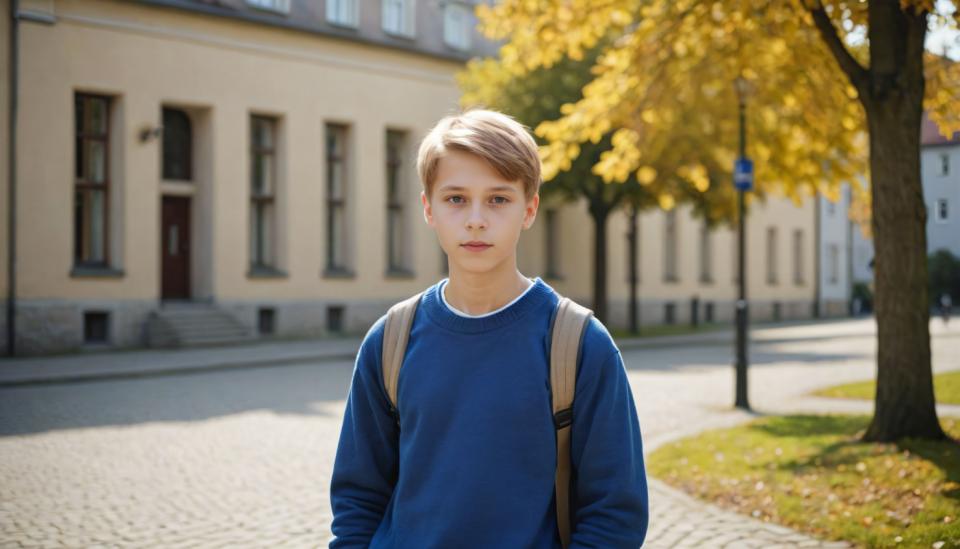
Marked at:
<point>567,326</point>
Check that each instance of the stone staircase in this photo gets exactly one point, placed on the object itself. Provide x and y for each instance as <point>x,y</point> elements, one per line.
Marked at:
<point>190,324</point>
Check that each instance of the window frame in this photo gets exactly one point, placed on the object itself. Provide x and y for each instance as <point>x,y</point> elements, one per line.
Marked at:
<point>773,275</point>
<point>273,6</point>
<point>260,201</point>
<point>706,254</point>
<point>81,185</point>
<point>397,257</point>
<point>408,18</point>
<point>798,240</point>
<point>331,203</point>
<point>463,32</point>
<point>941,215</point>
<point>671,250</point>
<point>333,11</point>
<point>188,147</point>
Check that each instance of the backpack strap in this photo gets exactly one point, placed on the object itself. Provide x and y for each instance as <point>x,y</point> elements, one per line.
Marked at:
<point>395,335</point>
<point>566,334</point>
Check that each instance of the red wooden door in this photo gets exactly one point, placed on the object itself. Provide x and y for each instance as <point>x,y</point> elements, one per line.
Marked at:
<point>175,247</point>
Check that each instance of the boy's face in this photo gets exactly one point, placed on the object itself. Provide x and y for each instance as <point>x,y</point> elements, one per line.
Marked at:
<point>471,202</point>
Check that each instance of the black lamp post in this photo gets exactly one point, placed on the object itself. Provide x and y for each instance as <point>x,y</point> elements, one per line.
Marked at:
<point>743,89</point>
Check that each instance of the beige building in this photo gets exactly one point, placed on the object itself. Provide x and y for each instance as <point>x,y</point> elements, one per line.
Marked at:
<point>198,172</point>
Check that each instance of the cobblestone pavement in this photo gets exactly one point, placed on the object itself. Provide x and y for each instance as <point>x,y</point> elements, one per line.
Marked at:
<point>242,458</point>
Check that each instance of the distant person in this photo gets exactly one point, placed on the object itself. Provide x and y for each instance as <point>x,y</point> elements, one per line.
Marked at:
<point>464,448</point>
<point>945,305</point>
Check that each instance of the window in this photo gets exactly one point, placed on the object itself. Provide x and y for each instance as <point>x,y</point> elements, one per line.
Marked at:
<point>279,6</point>
<point>263,155</point>
<point>670,246</point>
<point>342,12</point>
<point>266,320</point>
<point>457,25</point>
<point>335,318</point>
<point>91,181</point>
<point>399,17</point>
<point>944,164</point>
<point>706,255</point>
<point>552,244</point>
<point>708,312</point>
<point>771,255</point>
<point>96,327</point>
<point>833,263</point>
<point>831,207</point>
<point>942,212</point>
<point>177,145</point>
<point>798,257</point>
<point>336,198</point>
<point>396,224</point>
<point>669,313</point>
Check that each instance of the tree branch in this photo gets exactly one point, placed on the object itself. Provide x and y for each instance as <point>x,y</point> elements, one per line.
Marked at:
<point>858,75</point>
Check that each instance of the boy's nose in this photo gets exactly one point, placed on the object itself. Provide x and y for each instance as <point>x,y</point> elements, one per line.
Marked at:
<point>476,220</point>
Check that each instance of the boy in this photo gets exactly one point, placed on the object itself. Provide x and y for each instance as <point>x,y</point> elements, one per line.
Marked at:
<point>470,458</point>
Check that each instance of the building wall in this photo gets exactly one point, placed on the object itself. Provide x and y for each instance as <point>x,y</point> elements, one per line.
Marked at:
<point>942,234</point>
<point>576,263</point>
<point>835,250</point>
<point>221,71</point>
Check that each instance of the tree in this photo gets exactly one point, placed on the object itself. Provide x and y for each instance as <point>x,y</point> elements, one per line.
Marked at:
<point>826,73</point>
<point>538,96</point>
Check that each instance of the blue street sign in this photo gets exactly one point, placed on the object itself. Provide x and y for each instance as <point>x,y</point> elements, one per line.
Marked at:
<point>743,174</point>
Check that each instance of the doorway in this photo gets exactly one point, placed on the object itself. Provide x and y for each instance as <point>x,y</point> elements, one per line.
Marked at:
<point>175,247</point>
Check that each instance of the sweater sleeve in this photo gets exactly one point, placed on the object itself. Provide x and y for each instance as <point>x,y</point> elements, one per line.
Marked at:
<point>609,494</point>
<point>366,464</point>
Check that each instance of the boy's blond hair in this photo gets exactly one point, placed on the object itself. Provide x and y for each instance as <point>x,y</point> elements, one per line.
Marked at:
<point>502,142</point>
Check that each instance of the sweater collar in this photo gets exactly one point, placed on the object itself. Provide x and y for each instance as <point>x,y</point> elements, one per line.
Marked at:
<point>432,304</point>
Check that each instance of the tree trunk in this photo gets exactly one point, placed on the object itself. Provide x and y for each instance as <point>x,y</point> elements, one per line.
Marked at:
<point>600,215</point>
<point>891,91</point>
<point>634,260</point>
<point>905,404</point>
<point>904,400</point>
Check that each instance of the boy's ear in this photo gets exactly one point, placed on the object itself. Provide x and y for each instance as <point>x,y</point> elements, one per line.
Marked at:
<point>427,209</point>
<point>530,214</point>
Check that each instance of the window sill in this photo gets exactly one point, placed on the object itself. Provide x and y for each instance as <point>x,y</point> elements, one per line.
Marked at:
<point>85,271</point>
<point>338,272</point>
<point>671,280</point>
<point>397,272</point>
<point>400,35</point>
<point>264,271</point>
<point>707,281</point>
<point>554,276</point>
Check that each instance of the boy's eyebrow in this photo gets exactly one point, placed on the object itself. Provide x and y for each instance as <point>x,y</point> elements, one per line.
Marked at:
<point>498,188</point>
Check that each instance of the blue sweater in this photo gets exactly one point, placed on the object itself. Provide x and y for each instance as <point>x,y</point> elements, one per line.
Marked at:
<point>473,461</point>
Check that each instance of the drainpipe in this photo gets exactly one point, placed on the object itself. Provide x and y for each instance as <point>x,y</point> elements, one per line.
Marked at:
<point>12,181</point>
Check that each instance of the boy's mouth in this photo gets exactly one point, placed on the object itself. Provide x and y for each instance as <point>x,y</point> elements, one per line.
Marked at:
<point>476,246</point>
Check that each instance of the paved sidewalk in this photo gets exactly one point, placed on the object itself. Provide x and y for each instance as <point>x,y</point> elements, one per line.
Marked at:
<point>243,457</point>
<point>88,366</point>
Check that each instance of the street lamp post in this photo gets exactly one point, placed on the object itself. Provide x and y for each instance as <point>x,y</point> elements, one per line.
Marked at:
<point>743,179</point>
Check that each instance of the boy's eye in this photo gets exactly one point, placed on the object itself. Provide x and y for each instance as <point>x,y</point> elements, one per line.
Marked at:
<point>454,197</point>
<point>505,199</point>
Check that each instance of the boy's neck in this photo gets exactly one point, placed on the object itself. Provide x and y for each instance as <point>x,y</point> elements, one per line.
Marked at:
<point>477,294</point>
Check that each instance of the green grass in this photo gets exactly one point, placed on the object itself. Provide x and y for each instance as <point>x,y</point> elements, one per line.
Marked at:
<point>946,388</point>
<point>667,330</point>
<point>812,474</point>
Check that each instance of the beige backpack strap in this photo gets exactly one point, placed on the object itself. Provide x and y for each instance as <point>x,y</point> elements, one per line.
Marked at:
<point>567,329</point>
<point>395,335</point>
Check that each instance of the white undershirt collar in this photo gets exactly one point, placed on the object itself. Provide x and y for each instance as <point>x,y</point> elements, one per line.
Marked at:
<point>443,298</point>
